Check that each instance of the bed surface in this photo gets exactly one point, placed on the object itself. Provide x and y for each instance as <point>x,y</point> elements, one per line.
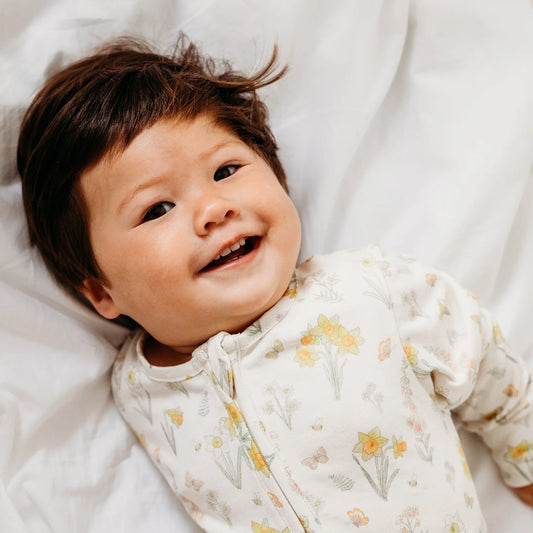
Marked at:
<point>404,123</point>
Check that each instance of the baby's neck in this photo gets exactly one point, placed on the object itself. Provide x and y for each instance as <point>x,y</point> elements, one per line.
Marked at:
<point>158,354</point>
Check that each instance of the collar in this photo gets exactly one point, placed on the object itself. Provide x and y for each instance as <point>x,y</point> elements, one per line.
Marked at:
<point>223,345</point>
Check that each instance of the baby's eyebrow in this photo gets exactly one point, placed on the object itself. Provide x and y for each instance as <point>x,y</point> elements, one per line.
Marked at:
<point>212,150</point>
<point>144,185</point>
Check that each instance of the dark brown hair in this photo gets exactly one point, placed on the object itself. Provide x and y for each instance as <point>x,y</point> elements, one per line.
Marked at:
<point>97,106</point>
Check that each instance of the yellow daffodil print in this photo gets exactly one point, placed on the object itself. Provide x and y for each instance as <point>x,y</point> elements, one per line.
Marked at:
<point>327,327</point>
<point>329,341</point>
<point>348,341</point>
<point>264,527</point>
<point>370,444</point>
<point>217,441</point>
<point>521,457</point>
<point>308,339</point>
<point>410,351</point>
<point>399,447</point>
<point>234,413</point>
<point>226,455</point>
<point>231,444</point>
<point>518,453</point>
<point>305,356</point>
<point>173,419</point>
<point>257,459</point>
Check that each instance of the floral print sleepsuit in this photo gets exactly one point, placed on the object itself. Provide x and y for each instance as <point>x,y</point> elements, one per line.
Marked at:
<point>333,411</point>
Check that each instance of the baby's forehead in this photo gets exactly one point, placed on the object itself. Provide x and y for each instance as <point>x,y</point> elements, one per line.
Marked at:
<point>159,147</point>
<point>120,143</point>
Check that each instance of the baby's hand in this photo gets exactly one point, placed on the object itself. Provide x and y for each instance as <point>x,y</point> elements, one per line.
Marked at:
<point>525,494</point>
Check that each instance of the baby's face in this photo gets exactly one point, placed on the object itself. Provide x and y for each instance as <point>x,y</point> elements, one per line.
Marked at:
<point>192,230</point>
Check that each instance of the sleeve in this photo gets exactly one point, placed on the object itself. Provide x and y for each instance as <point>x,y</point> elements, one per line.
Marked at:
<point>459,353</point>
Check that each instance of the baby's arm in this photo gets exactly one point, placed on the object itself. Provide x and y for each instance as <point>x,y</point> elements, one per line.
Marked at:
<point>462,357</point>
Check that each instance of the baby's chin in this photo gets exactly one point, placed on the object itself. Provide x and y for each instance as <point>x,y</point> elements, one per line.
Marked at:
<point>232,327</point>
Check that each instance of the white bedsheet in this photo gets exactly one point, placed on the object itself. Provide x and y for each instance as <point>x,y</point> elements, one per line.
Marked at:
<point>409,124</point>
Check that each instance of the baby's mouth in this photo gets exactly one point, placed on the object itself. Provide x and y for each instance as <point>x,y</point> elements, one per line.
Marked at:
<point>241,248</point>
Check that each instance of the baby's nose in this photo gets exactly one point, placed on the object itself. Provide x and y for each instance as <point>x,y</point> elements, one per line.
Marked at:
<point>212,211</point>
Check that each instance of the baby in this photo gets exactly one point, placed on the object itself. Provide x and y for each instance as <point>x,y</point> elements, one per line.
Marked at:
<point>272,397</point>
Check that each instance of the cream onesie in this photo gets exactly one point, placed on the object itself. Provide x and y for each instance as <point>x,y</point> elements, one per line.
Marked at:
<point>333,411</point>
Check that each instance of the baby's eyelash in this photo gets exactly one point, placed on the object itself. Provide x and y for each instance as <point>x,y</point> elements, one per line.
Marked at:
<point>157,210</point>
<point>226,171</point>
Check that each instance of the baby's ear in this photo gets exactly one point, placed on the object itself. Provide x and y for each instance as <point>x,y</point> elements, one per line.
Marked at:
<point>100,298</point>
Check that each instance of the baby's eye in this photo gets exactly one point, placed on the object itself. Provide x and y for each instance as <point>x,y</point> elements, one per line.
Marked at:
<point>225,172</point>
<point>157,210</point>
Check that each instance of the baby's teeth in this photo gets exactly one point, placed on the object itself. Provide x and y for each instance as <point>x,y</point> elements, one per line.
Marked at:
<point>232,248</point>
<point>237,245</point>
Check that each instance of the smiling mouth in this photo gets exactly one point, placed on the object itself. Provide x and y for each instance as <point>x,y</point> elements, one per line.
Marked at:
<point>241,248</point>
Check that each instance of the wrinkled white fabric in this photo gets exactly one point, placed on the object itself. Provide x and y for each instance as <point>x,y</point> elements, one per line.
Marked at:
<point>407,123</point>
